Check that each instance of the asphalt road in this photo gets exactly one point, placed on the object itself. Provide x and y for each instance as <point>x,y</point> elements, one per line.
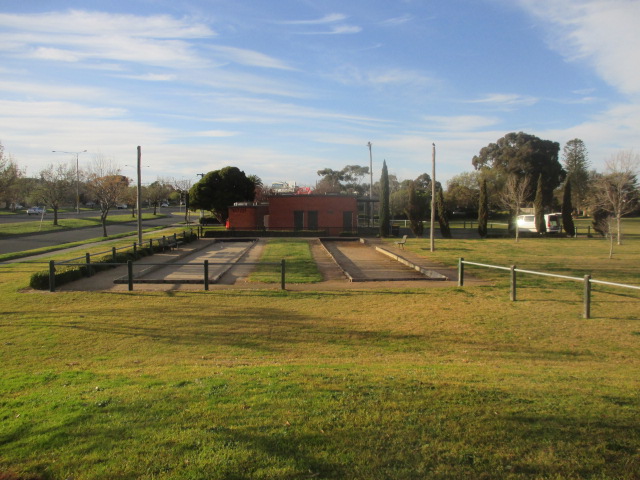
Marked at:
<point>40,240</point>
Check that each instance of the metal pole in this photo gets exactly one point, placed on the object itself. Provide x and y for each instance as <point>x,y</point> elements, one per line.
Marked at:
<point>461,272</point>
<point>513,283</point>
<point>52,276</point>
<point>587,297</point>
<point>370,186</point>
<point>139,196</point>
<point>206,274</point>
<point>282,270</point>
<point>433,196</point>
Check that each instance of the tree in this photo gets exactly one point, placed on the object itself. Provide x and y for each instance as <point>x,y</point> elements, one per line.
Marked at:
<point>414,211</point>
<point>516,190</point>
<point>9,176</point>
<point>441,212</point>
<point>106,187</point>
<point>524,155</point>
<point>157,192</point>
<point>55,186</point>
<point>538,208</point>
<point>576,162</point>
<point>349,180</point>
<point>385,215</point>
<point>182,186</point>
<point>567,209</point>
<point>220,189</point>
<point>616,192</point>
<point>483,210</point>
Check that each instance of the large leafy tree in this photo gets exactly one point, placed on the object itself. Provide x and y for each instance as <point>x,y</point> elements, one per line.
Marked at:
<point>220,189</point>
<point>524,155</point>
<point>349,179</point>
<point>9,176</point>
<point>575,159</point>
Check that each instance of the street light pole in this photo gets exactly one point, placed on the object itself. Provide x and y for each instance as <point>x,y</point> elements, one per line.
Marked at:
<point>77,154</point>
<point>139,197</point>
<point>433,196</point>
<point>370,186</point>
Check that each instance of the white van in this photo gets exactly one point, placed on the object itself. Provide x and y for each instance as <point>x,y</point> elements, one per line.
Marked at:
<point>527,223</point>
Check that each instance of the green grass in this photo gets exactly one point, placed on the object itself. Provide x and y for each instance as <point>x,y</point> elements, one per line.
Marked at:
<point>299,264</point>
<point>26,228</point>
<point>443,383</point>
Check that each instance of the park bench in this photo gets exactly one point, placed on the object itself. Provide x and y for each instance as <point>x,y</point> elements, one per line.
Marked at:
<point>401,243</point>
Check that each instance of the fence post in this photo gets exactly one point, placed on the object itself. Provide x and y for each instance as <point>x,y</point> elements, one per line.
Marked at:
<point>461,272</point>
<point>130,274</point>
<point>513,283</point>
<point>113,254</point>
<point>206,274</point>
<point>282,270</point>
<point>52,276</point>
<point>135,248</point>
<point>87,257</point>
<point>587,297</point>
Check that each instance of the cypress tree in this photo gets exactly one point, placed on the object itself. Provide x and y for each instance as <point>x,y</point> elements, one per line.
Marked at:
<point>385,213</point>
<point>538,205</point>
<point>567,209</point>
<point>443,221</point>
<point>483,210</point>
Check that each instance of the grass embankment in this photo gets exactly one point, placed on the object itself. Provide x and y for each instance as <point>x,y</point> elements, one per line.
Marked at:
<point>441,383</point>
<point>36,226</point>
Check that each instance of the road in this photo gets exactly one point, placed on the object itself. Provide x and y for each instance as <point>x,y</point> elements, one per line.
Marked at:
<point>40,240</point>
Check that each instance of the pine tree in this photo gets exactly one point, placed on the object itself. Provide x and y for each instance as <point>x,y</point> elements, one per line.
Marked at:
<point>567,210</point>
<point>576,162</point>
<point>385,214</point>
<point>538,205</point>
<point>483,210</point>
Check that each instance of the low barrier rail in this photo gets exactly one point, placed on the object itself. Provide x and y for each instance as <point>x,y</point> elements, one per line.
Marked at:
<point>586,280</point>
<point>131,280</point>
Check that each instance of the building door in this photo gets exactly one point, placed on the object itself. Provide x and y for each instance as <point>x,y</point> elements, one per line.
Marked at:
<point>298,219</point>
<point>312,220</point>
<point>347,221</point>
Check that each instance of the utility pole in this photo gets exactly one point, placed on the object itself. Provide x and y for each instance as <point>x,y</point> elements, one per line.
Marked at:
<point>370,186</point>
<point>433,196</point>
<point>77,154</point>
<point>139,197</point>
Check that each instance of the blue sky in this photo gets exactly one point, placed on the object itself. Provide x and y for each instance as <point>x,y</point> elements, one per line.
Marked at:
<point>284,88</point>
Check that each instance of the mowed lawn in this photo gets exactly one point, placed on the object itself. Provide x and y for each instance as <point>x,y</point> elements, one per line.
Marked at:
<point>442,383</point>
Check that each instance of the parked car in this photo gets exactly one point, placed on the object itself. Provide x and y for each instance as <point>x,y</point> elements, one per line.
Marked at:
<point>35,211</point>
<point>527,223</point>
<point>164,204</point>
<point>121,206</point>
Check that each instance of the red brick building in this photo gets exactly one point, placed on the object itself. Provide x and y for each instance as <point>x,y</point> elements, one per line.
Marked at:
<point>332,214</point>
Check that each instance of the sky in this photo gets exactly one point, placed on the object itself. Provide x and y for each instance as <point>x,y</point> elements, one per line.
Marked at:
<point>284,88</point>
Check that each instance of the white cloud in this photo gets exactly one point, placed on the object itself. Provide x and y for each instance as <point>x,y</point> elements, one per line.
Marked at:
<point>506,100</point>
<point>330,18</point>
<point>249,57</point>
<point>603,33</point>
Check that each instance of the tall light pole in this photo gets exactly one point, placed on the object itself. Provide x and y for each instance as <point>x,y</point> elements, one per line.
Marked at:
<point>433,196</point>
<point>77,154</point>
<point>139,196</point>
<point>370,186</point>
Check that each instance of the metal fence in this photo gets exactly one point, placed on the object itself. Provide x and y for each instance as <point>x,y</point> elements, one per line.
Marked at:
<point>586,280</point>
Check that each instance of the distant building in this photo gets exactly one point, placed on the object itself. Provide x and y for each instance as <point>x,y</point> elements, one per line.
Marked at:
<point>328,214</point>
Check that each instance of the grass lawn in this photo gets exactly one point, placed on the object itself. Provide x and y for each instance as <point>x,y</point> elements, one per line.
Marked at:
<point>299,264</point>
<point>443,383</point>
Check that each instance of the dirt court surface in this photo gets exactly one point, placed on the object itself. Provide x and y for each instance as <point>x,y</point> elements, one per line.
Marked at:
<point>236,278</point>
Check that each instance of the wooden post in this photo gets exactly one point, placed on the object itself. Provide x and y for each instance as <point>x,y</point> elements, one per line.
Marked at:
<point>113,254</point>
<point>130,274</point>
<point>206,274</point>
<point>87,258</point>
<point>513,283</point>
<point>282,274</point>
<point>461,272</point>
<point>135,248</point>
<point>587,297</point>
<point>52,276</point>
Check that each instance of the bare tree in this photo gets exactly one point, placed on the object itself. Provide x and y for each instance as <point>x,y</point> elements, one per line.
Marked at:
<point>514,194</point>
<point>616,192</point>
<point>182,186</point>
<point>106,187</point>
<point>56,182</point>
<point>9,175</point>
